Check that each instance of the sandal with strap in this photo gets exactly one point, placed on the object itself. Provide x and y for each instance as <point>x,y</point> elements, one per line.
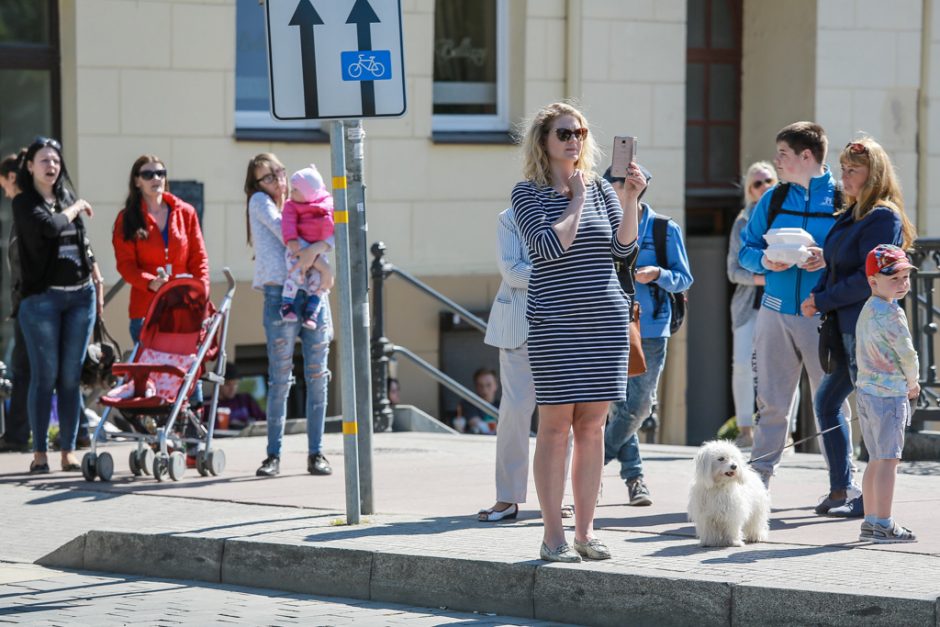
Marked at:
<point>895,534</point>
<point>38,468</point>
<point>492,515</point>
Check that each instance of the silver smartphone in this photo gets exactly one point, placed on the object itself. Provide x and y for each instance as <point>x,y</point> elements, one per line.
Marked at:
<point>624,153</point>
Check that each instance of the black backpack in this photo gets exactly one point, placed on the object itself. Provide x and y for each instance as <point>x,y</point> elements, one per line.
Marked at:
<point>779,195</point>
<point>678,300</point>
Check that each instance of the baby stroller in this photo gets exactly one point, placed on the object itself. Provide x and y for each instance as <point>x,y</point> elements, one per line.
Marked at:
<point>181,333</point>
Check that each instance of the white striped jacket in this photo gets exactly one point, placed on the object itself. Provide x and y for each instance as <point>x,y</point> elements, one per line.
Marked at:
<point>507,326</point>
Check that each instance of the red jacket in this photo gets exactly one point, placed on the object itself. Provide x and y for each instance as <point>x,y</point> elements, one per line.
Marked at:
<point>138,260</point>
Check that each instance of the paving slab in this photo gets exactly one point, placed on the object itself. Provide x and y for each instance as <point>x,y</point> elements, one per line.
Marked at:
<point>424,545</point>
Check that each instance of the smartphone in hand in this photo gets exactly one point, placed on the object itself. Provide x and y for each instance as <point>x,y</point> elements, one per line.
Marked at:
<point>624,153</point>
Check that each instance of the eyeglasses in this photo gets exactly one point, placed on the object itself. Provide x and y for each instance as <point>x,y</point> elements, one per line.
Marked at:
<point>48,141</point>
<point>149,175</point>
<point>761,183</point>
<point>271,176</point>
<point>564,134</point>
<point>857,148</point>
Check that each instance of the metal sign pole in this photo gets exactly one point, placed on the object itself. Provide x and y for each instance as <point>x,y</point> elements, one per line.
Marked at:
<point>345,326</point>
<point>359,271</point>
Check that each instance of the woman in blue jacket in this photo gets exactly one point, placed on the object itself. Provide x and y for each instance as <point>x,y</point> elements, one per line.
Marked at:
<point>653,285</point>
<point>874,215</point>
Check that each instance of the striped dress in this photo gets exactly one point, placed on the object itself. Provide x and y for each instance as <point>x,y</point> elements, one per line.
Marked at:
<point>578,315</point>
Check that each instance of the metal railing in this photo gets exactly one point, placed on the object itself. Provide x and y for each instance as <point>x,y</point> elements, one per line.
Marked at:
<point>924,316</point>
<point>383,349</point>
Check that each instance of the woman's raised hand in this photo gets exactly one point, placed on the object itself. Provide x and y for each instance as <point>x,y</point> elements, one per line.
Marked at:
<point>636,182</point>
<point>576,184</point>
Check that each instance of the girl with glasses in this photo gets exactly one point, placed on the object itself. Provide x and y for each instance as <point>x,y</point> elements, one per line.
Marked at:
<point>60,285</point>
<point>156,235</point>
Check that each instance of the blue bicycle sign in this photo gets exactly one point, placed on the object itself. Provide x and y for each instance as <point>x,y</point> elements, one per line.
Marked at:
<point>366,65</point>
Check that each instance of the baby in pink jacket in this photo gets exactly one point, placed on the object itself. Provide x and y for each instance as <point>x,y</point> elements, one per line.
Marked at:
<point>307,218</point>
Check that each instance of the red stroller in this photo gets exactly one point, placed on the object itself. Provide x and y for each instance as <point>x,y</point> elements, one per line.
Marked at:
<point>182,332</point>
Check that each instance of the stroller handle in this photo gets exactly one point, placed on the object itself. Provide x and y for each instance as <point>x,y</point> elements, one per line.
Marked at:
<point>231,281</point>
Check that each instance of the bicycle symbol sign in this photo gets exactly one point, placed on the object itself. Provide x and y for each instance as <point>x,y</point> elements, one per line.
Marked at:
<point>366,65</point>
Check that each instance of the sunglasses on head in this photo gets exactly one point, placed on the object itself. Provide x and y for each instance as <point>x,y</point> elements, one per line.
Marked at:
<point>47,141</point>
<point>149,175</point>
<point>857,148</point>
<point>564,134</point>
<point>761,183</point>
<point>271,176</point>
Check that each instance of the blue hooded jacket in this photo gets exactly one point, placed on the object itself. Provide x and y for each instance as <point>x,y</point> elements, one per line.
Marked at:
<point>656,311</point>
<point>785,290</point>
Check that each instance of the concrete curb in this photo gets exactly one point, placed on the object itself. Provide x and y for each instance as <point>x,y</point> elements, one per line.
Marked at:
<point>553,592</point>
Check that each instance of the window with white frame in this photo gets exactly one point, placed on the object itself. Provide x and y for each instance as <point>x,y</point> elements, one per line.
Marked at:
<point>252,90</point>
<point>470,91</point>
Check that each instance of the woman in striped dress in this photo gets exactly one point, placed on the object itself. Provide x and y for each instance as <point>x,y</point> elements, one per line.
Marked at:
<point>572,222</point>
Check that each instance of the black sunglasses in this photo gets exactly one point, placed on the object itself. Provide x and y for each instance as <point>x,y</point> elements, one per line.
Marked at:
<point>761,182</point>
<point>272,176</point>
<point>47,141</point>
<point>148,175</point>
<point>564,134</point>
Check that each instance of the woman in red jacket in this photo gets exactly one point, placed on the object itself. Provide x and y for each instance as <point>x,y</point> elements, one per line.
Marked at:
<point>155,231</point>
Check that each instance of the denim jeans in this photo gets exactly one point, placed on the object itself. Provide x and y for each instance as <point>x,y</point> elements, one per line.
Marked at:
<point>56,325</point>
<point>281,337</point>
<point>834,388</point>
<point>620,439</point>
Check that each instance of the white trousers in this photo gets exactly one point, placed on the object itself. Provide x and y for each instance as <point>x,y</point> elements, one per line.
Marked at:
<point>515,420</point>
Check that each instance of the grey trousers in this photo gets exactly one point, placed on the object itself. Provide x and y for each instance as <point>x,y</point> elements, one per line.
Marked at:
<point>784,344</point>
<point>515,421</point>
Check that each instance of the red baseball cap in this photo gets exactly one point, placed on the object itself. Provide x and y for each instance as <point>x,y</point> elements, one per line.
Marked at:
<point>886,259</point>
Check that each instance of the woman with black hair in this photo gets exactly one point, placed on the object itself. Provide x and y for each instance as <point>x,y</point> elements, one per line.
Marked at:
<point>61,287</point>
<point>155,236</point>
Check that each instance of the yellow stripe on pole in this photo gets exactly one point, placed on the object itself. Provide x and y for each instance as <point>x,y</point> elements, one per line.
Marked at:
<point>341,217</point>
<point>350,428</point>
<point>339,182</point>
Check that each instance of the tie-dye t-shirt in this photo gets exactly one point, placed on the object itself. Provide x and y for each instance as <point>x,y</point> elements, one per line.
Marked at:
<point>887,361</point>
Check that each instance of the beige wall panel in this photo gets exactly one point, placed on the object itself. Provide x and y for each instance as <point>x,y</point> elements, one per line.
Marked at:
<point>619,9</point>
<point>670,10</point>
<point>236,253</point>
<point>165,103</point>
<point>840,128</point>
<point>618,109</point>
<point>396,167</point>
<point>204,36</point>
<point>116,32</point>
<point>597,49</point>
<point>540,93</point>
<point>650,51</point>
<point>931,226</point>
<point>544,48</point>
<point>907,59</point>
<point>419,106</point>
<point>894,15</point>
<point>418,33</point>
<point>217,162</point>
<point>495,169</point>
<point>229,117</point>
<point>840,62</point>
<point>456,238</point>
<point>546,8</point>
<point>669,115</point>
<point>99,102</point>
<point>390,223</point>
<point>774,31</point>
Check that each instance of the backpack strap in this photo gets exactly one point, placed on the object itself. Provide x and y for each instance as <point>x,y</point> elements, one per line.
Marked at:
<point>776,202</point>
<point>660,225</point>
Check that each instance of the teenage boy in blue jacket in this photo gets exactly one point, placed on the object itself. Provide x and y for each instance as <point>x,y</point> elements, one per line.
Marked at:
<point>652,286</point>
<point>785,341</point>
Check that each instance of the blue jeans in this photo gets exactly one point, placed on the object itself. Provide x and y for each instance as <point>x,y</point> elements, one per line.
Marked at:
<point>281,337</point>
<point>834,388</point>
<point>56,326</point>
<point>620,439</point>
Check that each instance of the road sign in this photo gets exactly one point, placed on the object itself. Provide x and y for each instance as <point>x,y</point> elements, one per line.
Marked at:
<point>335,59</point>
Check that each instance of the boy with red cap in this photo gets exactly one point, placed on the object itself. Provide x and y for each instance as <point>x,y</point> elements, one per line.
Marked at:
<point>888,374</point>
<point>307,218</point>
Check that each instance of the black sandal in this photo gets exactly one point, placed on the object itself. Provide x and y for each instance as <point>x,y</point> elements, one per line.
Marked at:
<point>38,468</point>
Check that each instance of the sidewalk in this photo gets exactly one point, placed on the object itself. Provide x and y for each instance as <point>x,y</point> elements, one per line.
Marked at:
<point>424,546</point>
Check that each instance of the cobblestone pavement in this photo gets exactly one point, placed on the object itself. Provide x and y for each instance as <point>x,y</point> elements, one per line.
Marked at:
<point>32,595</point>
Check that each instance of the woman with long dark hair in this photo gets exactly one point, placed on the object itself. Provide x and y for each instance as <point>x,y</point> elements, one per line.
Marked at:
<point>60,287</point>
<point>265,192</point>
<point>156,235</point>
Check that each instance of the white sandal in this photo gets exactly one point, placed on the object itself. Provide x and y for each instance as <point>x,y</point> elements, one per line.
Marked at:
<point>491,515</point>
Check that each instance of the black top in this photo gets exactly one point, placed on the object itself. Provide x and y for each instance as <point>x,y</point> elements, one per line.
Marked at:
<point>53,251</point>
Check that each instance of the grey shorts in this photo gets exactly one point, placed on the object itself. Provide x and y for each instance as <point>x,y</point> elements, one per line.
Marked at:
<point>883,419</point>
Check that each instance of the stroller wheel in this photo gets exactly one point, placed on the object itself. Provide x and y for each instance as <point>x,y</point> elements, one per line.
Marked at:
<point>201,467</point>
<point>134,463</point>
<point>160,464</point>
<point>105,467</point>
<point>177,465</point>
<point>145,460</point>
<point>88,466</point>
<point>215,461</point>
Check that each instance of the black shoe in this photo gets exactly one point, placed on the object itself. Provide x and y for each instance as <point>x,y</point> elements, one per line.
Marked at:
<point>8,446</point>
<point>82,442</point>
<point>317,465</point>
<point>270,467</point>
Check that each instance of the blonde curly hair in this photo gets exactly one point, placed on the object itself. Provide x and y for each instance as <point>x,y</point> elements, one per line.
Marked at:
<point>536,166</point>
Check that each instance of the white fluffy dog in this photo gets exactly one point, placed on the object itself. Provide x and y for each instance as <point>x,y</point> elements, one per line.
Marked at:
<point>728,503</point>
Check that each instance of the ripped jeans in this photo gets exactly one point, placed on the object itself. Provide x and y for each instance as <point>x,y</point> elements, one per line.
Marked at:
<point>281,338</point>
